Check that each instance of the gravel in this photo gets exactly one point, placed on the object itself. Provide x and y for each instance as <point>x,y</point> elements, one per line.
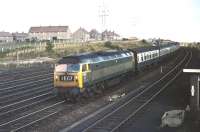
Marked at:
<point>176,96</point>
<point>89,106</point>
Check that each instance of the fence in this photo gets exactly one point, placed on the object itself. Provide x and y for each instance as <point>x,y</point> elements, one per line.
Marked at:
<point>38,62</point>
<point>4,47</point>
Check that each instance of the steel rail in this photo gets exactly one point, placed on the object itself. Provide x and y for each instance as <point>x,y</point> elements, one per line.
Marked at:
<point>25,91</point>
<point>18,99</point>
<point>26,78</point>
<point>22,101</point>
<point>126,103</point>
<point>83,120</point>
<point>25,106</point>
<point>31,123</point>
<point>148,101</point>
<point>30,114</point>
<point>24,73</point>
<point>25,84</point>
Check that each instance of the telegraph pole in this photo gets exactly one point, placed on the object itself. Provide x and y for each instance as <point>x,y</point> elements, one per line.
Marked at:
<point>103,14</point>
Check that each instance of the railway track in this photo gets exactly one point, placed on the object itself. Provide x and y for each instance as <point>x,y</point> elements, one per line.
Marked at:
<point>23,120</point>
<point>20,85</point>
<point>114,116</point>
<point>25,81</point>
<point>23,70</point>
<point>10,98</point>
<point>31,103</point>
<point>24,85</point>
<point>25,101</point>
<point>8,77</point>
<point>26,96</point>
<point>23,111</point>
<point>31,88</point>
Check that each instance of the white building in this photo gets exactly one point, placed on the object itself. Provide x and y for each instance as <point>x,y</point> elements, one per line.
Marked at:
<point>6,37</point>
<point>110,35</point>
<point>50,33</point>
<point>19,37</point>
<point>81,35</point>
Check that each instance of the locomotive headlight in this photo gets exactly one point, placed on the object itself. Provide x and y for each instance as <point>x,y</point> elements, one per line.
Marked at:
<point>76,78</point>
<point>56,77</point>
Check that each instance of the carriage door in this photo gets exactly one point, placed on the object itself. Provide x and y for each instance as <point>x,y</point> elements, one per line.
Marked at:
<point>86,74</point>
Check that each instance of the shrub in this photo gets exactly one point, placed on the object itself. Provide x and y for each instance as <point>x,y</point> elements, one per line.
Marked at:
<point>144,41</point>
<point>49,46</point>
<point>108,44</point>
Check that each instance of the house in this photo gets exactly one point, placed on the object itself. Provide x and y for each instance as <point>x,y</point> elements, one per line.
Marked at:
<point>49,33</point>
<point>20,37</point>
<point>95,35</point>
<point>6,37</point>
<point>110,35</point>
<point>133,38</point>
<point>81,35</point>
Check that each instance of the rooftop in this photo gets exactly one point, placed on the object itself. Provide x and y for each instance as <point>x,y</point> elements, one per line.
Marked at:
<point>43,29</point>
<point>5,34</point>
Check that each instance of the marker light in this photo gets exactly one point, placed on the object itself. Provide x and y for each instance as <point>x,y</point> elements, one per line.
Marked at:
<point>76,78</point>
<point>56,77</point>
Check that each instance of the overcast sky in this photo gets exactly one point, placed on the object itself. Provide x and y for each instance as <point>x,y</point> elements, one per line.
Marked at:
<point>169,19</point>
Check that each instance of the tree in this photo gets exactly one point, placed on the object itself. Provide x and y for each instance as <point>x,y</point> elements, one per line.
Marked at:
<point>49,46</point>
<point>108,44</point>
<point>144,41</point>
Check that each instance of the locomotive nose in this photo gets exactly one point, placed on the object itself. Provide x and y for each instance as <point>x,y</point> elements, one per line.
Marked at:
<point>65,80</point>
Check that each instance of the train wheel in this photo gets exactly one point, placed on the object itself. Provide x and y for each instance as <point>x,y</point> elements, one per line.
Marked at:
<point>58,93</point>
<point>99,88</point>
<point>86,94</point>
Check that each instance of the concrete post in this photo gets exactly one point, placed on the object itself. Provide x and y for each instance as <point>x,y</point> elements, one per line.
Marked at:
<point>194,92</point>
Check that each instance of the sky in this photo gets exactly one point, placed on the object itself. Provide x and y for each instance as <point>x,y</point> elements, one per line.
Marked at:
<point>178,20</point>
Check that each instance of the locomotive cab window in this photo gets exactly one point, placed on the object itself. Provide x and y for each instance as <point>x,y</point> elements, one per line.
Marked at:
<point>73,67</point>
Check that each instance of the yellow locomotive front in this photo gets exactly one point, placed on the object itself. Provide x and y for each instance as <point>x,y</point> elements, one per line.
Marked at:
<point>68,78</point>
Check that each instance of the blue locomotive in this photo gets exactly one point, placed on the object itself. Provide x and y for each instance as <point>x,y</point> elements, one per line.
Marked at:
<point>79,74</point>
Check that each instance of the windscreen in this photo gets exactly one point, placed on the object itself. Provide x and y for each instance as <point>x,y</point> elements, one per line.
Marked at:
<point>67,68</point>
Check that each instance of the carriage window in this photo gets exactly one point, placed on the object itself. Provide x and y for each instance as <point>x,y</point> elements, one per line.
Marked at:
<point>88,66</point>
<point>83,67</point>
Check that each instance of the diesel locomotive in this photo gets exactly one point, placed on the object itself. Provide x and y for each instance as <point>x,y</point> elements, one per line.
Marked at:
<point>88,72</point>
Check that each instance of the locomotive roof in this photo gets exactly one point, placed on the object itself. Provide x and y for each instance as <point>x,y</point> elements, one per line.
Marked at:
<point>94,56</point>
<point>144,49</point>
